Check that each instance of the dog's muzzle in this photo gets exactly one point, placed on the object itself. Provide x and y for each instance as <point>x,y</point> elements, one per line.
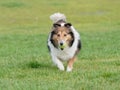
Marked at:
<point>62,45</point>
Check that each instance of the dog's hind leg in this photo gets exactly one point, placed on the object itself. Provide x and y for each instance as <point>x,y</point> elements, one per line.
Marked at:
<point>70,64</point>
<point>58,63</point>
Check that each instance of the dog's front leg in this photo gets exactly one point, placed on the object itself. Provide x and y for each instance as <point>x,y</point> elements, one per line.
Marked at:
<point>70,64</point>
<point>58,63</point>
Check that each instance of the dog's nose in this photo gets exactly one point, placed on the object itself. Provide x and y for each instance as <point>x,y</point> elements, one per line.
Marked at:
<point>61,43</point>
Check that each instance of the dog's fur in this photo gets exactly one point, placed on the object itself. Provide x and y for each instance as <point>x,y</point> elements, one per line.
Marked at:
<point>63,42</point>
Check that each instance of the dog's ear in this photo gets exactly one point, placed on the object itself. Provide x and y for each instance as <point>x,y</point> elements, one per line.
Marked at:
<point>68,25</point>
<point>56,25</point>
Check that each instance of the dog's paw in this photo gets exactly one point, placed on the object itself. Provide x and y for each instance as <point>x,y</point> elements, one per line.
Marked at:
<point>61,67</point>
<point>69,69</point>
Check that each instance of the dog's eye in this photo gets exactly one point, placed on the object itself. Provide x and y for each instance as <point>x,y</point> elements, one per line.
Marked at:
<point>65,35</point>
<point>58,35</point>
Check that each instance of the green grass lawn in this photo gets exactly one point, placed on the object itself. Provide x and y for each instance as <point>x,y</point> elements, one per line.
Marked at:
<point>25,63</point>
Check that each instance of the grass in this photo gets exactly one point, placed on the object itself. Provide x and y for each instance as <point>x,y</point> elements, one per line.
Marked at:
<point>25,63</point>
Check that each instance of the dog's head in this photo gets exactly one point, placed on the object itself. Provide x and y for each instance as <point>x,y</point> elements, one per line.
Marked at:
<point>62,35</point>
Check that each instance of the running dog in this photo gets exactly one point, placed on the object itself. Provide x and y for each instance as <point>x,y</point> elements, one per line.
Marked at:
<point>63,42</point>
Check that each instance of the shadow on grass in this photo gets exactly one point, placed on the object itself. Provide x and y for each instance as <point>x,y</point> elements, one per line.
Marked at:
<point>38,65</point>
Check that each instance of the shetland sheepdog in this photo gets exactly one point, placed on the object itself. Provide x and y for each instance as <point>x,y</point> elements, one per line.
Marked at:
<point>63,42</point>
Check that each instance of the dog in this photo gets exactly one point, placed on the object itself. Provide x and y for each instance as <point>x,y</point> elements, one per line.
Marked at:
<point>64,42</point>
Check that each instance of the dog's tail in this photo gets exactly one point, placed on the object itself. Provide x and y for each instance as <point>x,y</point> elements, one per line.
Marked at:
<point>57,16</point>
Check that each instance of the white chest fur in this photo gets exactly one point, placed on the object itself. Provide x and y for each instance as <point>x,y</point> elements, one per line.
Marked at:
<point>65,54</point>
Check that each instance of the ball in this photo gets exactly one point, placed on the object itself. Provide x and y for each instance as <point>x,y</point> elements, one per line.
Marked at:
<point>62,46</point>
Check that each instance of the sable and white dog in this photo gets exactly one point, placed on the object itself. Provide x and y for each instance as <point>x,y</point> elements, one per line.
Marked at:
<point>63,42</point>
